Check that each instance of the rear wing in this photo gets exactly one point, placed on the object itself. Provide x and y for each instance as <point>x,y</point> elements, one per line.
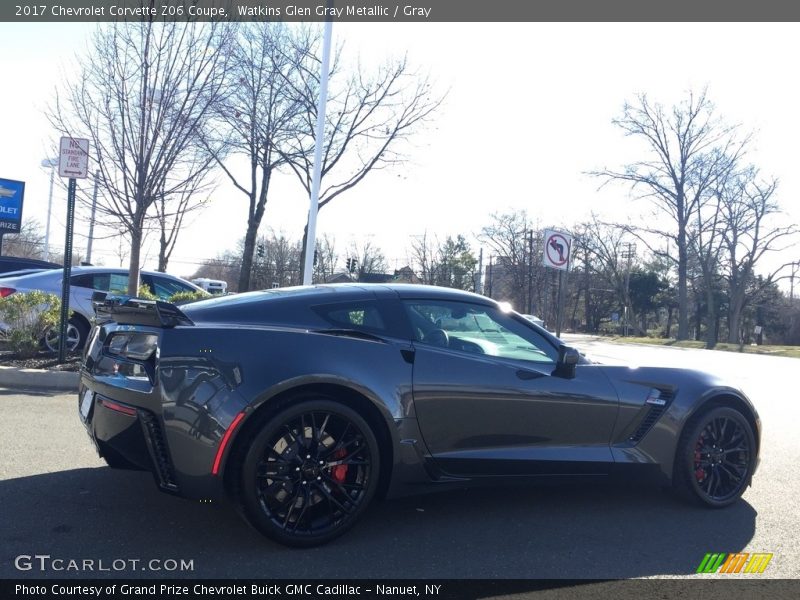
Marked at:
<point>135,311</point>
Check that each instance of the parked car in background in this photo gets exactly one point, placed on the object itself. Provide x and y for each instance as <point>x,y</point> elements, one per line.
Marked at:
<point>21,272</point>
<point>10,264</point>
<point>535,320</point>
<point>84,282</point>
<point>212,286</point>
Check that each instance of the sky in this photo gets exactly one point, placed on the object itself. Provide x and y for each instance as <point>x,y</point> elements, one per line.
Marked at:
<point>527,113</point>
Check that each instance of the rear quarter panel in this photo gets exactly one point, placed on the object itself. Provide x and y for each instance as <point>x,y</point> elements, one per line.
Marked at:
<point>208,374</point>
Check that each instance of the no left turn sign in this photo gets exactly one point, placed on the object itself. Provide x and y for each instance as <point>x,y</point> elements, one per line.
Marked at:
<point>557,247</point>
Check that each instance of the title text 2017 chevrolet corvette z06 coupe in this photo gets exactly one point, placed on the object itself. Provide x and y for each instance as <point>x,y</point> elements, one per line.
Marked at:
<point>303,404</point>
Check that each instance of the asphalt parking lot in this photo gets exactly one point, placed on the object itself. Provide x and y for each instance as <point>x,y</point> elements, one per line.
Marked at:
<point>59,499</point>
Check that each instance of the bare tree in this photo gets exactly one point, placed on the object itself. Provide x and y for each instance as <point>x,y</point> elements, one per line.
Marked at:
<point>326,259</point>
<point>225,267</point>
<point>143,96</point>
<point>689,149</point>
<point>606,265</point>
<point>27,243</point>
<point>750,212</point>
<point>369,120</point>
<point>369,258</point>
<point>506,238</point>
<point>450,263</point>
<point>171,213</point>
<point>705,235</point>
<point>277,261</point>
<point>422,255</point>
<point>260,117</point>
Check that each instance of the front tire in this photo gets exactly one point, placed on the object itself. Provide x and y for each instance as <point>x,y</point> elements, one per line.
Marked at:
<point>716,458</point>
<point>309,473</point>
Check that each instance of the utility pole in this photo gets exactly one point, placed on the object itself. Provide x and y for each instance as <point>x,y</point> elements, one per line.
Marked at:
<point>91,220</point>
<point>489,286</point>
<point>479,278</point>
<point>627,254</point>
<point>50,163</point>
<point>319,138</point>
<point>530,271</point>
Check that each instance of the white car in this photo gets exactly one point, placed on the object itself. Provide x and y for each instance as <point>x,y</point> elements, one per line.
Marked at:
<point>535,320</point>
<point>84,281</point>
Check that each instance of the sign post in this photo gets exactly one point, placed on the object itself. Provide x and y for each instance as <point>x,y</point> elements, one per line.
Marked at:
<point>556,255</point>
<point>73,162</point>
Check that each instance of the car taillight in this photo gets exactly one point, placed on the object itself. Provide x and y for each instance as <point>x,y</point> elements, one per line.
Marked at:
<point>6,291</point>
<point>138,346</point>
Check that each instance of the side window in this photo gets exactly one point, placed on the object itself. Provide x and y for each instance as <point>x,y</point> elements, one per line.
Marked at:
<point>165,288</point>
<point>477,329</point>
<point>83,281</point>
<point>356,315</point>
<point>93,281</point>
<point>117,283</point>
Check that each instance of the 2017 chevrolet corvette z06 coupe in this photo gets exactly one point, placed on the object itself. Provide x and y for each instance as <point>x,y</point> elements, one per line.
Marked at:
<point>304,404</point>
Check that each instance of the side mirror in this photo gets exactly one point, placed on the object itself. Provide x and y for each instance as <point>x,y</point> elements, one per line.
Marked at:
<point>567,359</point>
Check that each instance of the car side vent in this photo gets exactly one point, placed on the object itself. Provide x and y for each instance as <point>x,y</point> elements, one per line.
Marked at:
<point>658,404</point>
<point>157,445</point>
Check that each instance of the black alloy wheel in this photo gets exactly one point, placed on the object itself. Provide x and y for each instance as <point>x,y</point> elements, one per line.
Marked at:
<point>718,453</point>
<point>309,473</point>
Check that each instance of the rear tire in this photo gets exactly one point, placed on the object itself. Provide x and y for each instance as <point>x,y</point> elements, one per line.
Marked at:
<point>309,473</point>
<point>716,458</point>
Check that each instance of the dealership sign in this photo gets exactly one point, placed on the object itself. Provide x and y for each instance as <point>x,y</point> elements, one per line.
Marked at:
<point>11,196</point>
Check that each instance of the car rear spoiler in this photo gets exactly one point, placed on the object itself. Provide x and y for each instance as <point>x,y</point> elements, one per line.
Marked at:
<point>135,311</point>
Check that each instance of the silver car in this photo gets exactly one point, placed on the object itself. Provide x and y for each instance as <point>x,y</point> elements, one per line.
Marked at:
<point>84,281</point>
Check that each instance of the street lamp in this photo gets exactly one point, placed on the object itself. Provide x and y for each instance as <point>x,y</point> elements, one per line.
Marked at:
<point>91,221</point>
<point>50,163</point>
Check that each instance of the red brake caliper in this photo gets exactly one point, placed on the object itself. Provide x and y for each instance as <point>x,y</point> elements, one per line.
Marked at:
<point>700,472</point>
<point>339,472</point>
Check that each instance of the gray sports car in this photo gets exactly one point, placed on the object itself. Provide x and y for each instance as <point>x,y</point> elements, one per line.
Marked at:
<point>304,404</point>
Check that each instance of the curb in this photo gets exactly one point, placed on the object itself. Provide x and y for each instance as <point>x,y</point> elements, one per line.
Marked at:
<point>13,377</point>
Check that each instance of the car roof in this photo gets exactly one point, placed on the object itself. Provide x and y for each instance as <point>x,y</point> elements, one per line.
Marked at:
<point>331,292</point>
<point>16,263</point>
<point>32,277</point>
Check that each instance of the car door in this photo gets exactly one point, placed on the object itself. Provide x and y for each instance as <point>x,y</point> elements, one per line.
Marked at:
<point>488,404</point>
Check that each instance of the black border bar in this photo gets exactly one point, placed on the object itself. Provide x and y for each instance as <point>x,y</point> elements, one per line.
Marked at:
<point>372,11</point>
<point>716,588</point>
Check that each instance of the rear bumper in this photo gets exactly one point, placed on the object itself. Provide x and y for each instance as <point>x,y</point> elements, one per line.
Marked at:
<point>120,428</point>
<point>152,435</point>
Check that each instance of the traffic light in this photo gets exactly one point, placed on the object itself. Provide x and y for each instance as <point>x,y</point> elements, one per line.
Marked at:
<point>352,264</point>
<point>260,251</point>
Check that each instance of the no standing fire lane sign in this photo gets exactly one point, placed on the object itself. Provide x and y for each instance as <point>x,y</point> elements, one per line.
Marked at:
<point>73,158</point>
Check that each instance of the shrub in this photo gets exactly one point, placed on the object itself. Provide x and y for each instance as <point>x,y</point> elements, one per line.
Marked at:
<point>179,298</point>
<point>27,316</point>
<point>186,297</point>
<point>145,293</point>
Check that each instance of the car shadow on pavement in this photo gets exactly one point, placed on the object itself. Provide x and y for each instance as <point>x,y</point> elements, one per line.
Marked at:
<point>590,531</point>
<point>45,393</point>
